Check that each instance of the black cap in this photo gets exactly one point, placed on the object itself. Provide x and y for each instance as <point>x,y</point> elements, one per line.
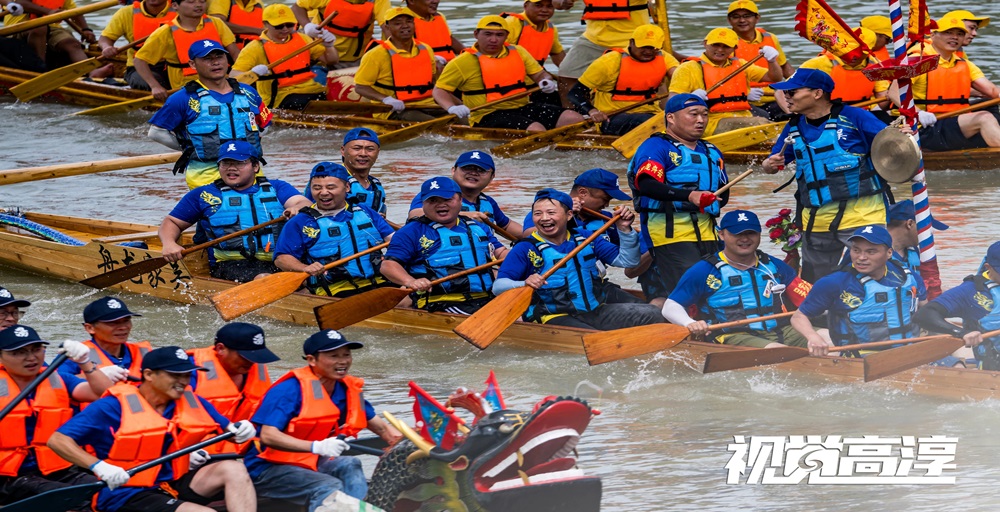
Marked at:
<point>17,336</point>
<point>327,340</point>
<point>8,299</point>
<point>106,309</point>
<point>171,359</point>
<point>247,340</point>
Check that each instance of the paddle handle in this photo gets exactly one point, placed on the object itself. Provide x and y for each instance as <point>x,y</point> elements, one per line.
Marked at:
<point>594,213</point>
<point>30,388</point>
<point>746,321</point>
<point>886,343</point>
<point>131,45</point>
<point>736,180</point>
<point>590,239</point>
<point>970,108</point>
<point>465,272</point>
<point>738,70</point>
<point>369,250</point>
<point>231,236</point>
<point>179,453</point>
<point>314,42</point>
<point>365,449</point>
<point>519,95</point>
<point>646,101</point>
<point>503,232</point>
<point>56,18</point>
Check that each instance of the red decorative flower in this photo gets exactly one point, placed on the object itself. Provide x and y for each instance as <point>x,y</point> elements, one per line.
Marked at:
<point>776,233</point>
<point>785,212</point>
<point>783,231</point>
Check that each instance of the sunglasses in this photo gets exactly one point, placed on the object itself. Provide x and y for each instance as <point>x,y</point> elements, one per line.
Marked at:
<point>284,26</point>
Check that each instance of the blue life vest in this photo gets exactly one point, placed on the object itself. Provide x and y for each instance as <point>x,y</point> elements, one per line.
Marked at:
<point>219,122</point>
<point>481,205</point>
<point>340,239</point>
<point>240,211</point>
<point>457,251</point>
<point>744,293</point>
<point>374,198</point>
<point>986,352</point>
<point>884,313</point>
<point>574,288</point>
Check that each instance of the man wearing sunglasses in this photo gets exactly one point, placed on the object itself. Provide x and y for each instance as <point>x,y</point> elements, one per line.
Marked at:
<point>10,308</point>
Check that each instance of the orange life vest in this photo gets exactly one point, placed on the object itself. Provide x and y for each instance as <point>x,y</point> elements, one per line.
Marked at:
<point>293,71</point>
<point>218,387</point>
<point>502,77</point>
<point>638,81</point>
<point>749,51</point>
<point>538,44</point>
<point>610,9</point>
<point>143,25</point>
<point>352,20</point>
<point>318,418</point>
<point>882,54</point>
<point>254,18</point>
<point>411,79</point>
<point>135,349</point>
<point>730,96</point>
<point>184,39</point>
<point>436,34</point>
<point>140,437</point>
<point>849,85</point>
<point>947,88</point>
<point>51,408</point>
<point>48,4</point>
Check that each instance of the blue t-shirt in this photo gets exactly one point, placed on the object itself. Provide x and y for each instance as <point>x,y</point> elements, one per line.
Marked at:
<point>591,224</point>
<point>280,405</point>
<point>96,426</point>
<point>70,382</point>
<point>517,264</point>
<point>484,203</point>
<point>693,288</point>
<point>71,368</point>
<point>295,242</point>
<point>176,114</point>
<point>965,301</point>
<point>416,241</point>
<point>830,293</point>
<point>857,128</point>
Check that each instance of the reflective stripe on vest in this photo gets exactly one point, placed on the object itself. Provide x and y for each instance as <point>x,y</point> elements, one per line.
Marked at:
<point>850,85</point>
<point>184,39</point>
<point>884,312</point>
<point>574,288</point>
<point>436,34</point>
<point>143,25</point>
<point>730,96</point>
<point>218,388</point>
<point>254,18</point>
<point>947,88</point>
<point>352,20</point>
<point>412,77</point>
<point>240,211</point>
<point>742,294</point>
<point>638,81</point>
<point>503,76</point>
<point>610,9</point>
<point>537,43</point>
<point>218,121</point>
<point>340,239</point>
<point>748,51</point>
<point>293,71</point>
<point>50,407</point>
<point>827,173</point>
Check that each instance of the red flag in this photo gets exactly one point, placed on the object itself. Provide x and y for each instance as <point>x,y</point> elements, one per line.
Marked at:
<point>920,22</point>
<point>817,22</point>
<point>492,395</point>
<point>435,422</point>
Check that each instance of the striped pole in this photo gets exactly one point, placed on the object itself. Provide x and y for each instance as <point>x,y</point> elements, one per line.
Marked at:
<point>921,202</point>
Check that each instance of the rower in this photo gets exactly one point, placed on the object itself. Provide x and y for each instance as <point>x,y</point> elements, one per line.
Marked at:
<point>574,295</point>
<point>972,25</point>
<point>948,88</point>
<point>736,283</point>
<point>136,424</point>
<point>53,37</point>
<point>10,308</point>
<point>329,230</point>
<point>838,189</point>
<point>294,83</point>
<point>174,44</point>
<point>227,110</point>
<point>300,420</point>
<point>136,21</point>
<point>473,172</point>
<point>531,29</point>
<point>27,466</point>
<point>439,243</point>
<point>622,77</point>
<point>743,17</point>
<point>882,27</point>
<point>729,104</point>
<point>430,27</point>
<point>399,69</point>
<point>872,300</point>
<point>673,176</point>
<point>353,25</point>
<point>359,152</point>
<point>244,17</point>
<point>238,200</point>
<point>849,83</point>
<point>902,225</point>
<point>108,321</point>
<point>506,69</point>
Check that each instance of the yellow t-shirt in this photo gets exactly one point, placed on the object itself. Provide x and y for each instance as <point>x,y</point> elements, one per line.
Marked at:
<point>376,66</point>
<point>514,28</point>
<point>919,83</point>
<point>689,77</point>
<point>349,48</point>
<point>826,65</point>
<point>160,47</point>
<point>120,26</point>
<point>601,76</point>
<point>463,74</point>
<point>222,7</point>
<point>858,212</point>
<point>10,19</point>
<point>253,54</point>
<point>616,33</point>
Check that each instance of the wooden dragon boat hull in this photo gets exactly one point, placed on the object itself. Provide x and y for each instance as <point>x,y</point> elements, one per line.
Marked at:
<point>188,282</point>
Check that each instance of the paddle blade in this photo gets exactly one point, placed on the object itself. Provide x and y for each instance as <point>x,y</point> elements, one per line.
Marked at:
<point>125,273</point>
<point>745,137</point>
<point>739,359</point>
<point>57,500</point>
<point>357,308</point>
<point>414,130</point>
<point>607,346</point>
<point>486,325</point>
<point>887,362</point>
<point>247,297</point>
<point>54,79</point>
<point>537,141</point>
<point>118,108</point>
<point>628,143</point>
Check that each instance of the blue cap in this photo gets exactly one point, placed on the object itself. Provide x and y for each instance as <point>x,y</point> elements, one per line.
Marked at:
<point>169,359</point>
<point>106,309</point>
<point>603,180</point>
<point>201,48</point>
<point>551,193</point>
<point>904,210</point>
<point>247,340</point>
<point>993,255</point>
<point>808,78</point>
<point>740,221</point>
<point>17,336</point>
<point>875,234</point>
<point>361,134</point>
<point>331,169</point>
<point>239,150</point>
<point>683,101</point>
<point>327,340</point>
<point>8,299</point>
<point>441,186</point>
<point>480,159</point>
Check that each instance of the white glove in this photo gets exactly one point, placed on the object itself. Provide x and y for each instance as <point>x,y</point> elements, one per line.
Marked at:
<point>440,60</point>
<point>115,373</point>
<point>198,459</point>
<point>312,30</point>
<point>330,447</point>
<point>927,119</point>
<point>755,94</point>
<point>397,105</point>
<point>329,38</point>
<point>15,9</point>
<point>113,475</point>
<point>244,430</point>
<point>769,53</point>
<point>75,351</point>
<point>459,111</point>
<point>548,86</point>
<point>260,70</point>
<point>701,94</point>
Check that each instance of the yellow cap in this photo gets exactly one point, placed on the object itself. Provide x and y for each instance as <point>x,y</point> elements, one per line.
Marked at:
<point>487,22</point>
<point>945,24</point>
<point>881,25</point>
<point>867,36</point>
<point>399,11</point>
<point>743,4</point>
<point>648,35</point>
<point>984,21</point>
<point>722,35</point>
<point>278,14</point>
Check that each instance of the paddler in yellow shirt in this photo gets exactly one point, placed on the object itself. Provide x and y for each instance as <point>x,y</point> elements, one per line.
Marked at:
<point>136,21</point>
<point>532,30</point>
<point>431,27</point>
<point>743,16</point>
<point>882,27</point>
<point>52,36</point>
<point>244,17</point>
<point>353,25</point>
<point>972,25</point>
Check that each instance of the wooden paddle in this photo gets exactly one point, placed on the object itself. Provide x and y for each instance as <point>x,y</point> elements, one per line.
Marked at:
<point>250,77</point>
<point>417,129</point>
<point>41,84</point>
<point>46,172</point>
<point>503,232</point>
<point>127,272</point>
<point>606,346</point>
<point>344,108</point>
<point>888,362</point>
<point>357,308</point>
<point>247,297</point>
<point>970,108</point>
<point>486,325</point>
<point>30,388</point>
<point>56,18</point>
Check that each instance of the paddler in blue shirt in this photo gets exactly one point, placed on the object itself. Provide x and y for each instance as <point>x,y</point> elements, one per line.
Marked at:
<point>10,308</point>
<point>359,152</point>
<point>108,321</point>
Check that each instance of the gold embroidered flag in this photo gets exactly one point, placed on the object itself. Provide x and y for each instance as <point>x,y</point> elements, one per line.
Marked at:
<point>817,22</point>
<point>920,22</point>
